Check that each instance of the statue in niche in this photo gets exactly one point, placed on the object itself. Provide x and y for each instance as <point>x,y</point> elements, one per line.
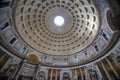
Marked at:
<point>66,76</point>
<point>41,75</point>
<point>93,74</point>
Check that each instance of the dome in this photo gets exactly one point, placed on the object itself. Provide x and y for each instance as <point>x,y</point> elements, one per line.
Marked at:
<point>35,22</point>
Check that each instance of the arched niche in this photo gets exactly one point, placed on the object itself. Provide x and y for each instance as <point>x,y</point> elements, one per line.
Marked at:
<point>93,74</point>
<point>66,76</point>
<point>113,21</point>
<point>32,57</point>
<point>41,75</point>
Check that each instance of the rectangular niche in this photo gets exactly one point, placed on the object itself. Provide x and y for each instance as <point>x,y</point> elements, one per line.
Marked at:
<point>4,26</point>
<point>96,48</point>
<point>23,49</point>
<point>86,55</point>
<point>105,36</point>
<point>4,4</point>
<point>12,41</point>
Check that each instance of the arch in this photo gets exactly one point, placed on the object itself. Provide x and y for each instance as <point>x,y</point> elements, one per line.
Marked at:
<point>66,76</point>
<point>41,75</point>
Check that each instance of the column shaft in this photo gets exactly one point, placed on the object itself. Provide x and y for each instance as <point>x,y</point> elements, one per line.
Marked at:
<point>21,65</point>
<point>1,57</point>
<point>115,62</point>
<point>86,75</point>
<point>46,74</point>
<point>56,75</point>
<point>112,68</point>
<point>106,71</point>
<point>5,62</point>
<point>81,74</point>
<point>51,74</point>
<point>99,72</point>
<point>36,72</point>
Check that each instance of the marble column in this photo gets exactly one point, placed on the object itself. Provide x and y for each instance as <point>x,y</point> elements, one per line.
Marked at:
<point>112,68</point>
<point>5,64</point>
<point>56,75</point>
<point>46,74</point>
<point>51,74</point>
<point>14,74</point>
<point>115,61</point>
<point>86,73</point>
<point>1,57</point>
<point>76,74</point>
<point>36,72</point>
<point>81,73</point>
<point>7,70</point>
<point>98,72</point>
<point>21,65</point>
<point>105,71</point>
